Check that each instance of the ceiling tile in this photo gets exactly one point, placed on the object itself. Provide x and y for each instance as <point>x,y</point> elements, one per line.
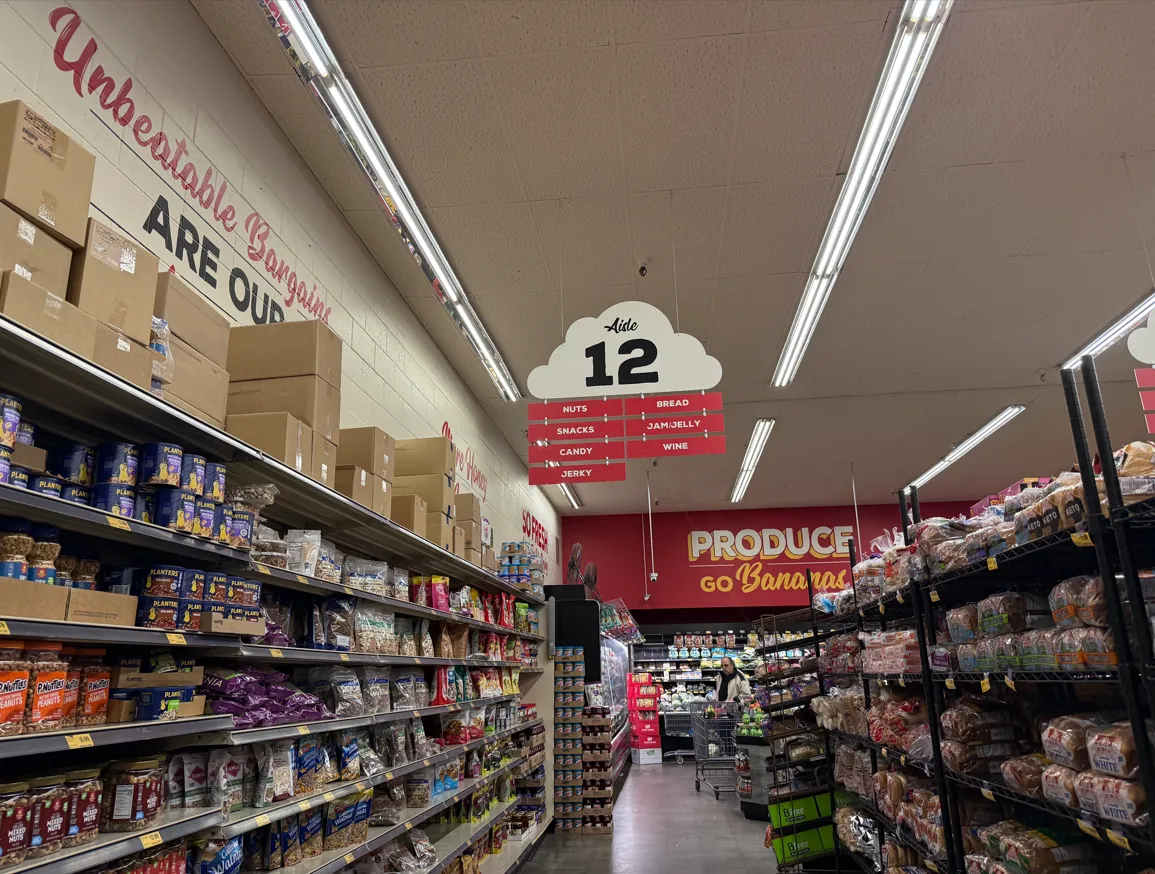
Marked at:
<point>679,101</point>
<point>245,33</point>
<point>441,125</point>
<point>376,34</point>
<point>511,27</point>
<point>587,240</point>
<point>749,309</point>
<point>561,120</point>
<point>527,323</point>
<point>783,14</point>
<point>493,248</point>
<point>383,241</point>
<point>1019,47</point>
<point>800,99</point>
<point>655,20</point>
<point>775,227</point>
<point>699,223</point>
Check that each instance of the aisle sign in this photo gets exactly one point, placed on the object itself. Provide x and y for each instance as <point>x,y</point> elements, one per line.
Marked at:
<point>630,349</point>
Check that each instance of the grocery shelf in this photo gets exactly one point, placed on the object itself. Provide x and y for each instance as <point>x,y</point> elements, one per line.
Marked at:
<point>896,832</point>
<point>895,755</point>
<point>84,632</point>
<point>85,737</point>
<point>891,605</point>
<point>515,851</point>
<point>456,841</point>
<point>1028,677</point>
<point>82,519</point>
<point>325,656</point>
<point>1088,823</point>
<point>799,643</point>
<point>901,679</point>
<point>170,825</point>
<point>788,704</point>
<point>248,819</point>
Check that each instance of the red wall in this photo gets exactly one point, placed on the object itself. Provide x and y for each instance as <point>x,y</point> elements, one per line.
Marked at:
<point>728,558</point>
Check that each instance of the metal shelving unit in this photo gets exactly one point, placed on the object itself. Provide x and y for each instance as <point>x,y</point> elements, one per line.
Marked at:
<point>20,745</point>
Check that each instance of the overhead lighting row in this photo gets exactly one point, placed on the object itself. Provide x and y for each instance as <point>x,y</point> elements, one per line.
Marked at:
<point>319,68</point>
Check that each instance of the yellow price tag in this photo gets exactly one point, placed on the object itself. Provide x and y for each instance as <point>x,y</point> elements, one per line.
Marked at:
<point>902,682</point>
<point>930,865</point>
<point>4,628</point>
<point>1088,829</point>
<point>408,826</point>
<point>426,763</point>
<point>1082,538</point>
<point>152,839</point>
<point>117,522</point>
<point>302,729</point>
<point>78,741</point>
<point>344,657</point>
<point>950,683</point>
<point>987,794</point>
<point>388,775</point>
<point>304,805</point>
<point>263,569</point>
<point>417,713</point>
<point>262,819</point>
<point>1118,840</point>
<point>301,578</point>
<point>1010,683</point>
<point>899,598</point>
<point>350,858</point>
<point>348,591</point>
<point>881,608</point>
<point>902,760</point>
<point>329,796</point>
<point>862,613</point>
<point>276,653</point>
<point>934,595</point>
<point>885,753</point>
<point>176,638</point>
<point>360,787</point>
<point>992,564</point>
<point>985,683</point>
<point>416,660</point>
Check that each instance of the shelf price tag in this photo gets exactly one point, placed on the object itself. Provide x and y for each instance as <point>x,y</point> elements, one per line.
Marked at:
<point>350,858</point>
<point>417,713</point>
<point>4,628</point>
<point>329,796</point>
<point>276,653</point>
<point>1088,829</point>
<point>950,684</point>
<point>262,568</point>
<point>987,794</point>
<point>416,660</point>
<point>344,657</point>
<point>899,598</point>
<point>1118,840</point>
<point>881,608</point>
<point>262,819</point>
<point>117,522</point>
<point>408,826</point>
<point>862,613</point>
<point>1009,680</point>
<point>388,775</point>
<point>1082,538</point>
<point>176,638</point>
<point>152,839</point>
<point>992,564</point>
<point>931,866</point>
<point>985,683</point>
<point>302,729</point>
<point>304,805</point>
<point>348,591</point>
<point>934,596</point>
<point>78,741</point>
<point>301,578</point>
<point>902,760</point>
<point>361,787</point>
<point>885,753</point>
<point>426,763</point>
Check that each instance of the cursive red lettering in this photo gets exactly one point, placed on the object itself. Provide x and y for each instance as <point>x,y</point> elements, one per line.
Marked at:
<point>121,106</point>
<point>188,177</point>
<point>158,153</point>
<point>63,38</point>
<point>204,194</point>
<point>181,151</point>
<point>142,129</point>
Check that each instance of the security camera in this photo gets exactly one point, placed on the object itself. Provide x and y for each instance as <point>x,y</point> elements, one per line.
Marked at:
<point>643,269</point>
<point>653,576</point>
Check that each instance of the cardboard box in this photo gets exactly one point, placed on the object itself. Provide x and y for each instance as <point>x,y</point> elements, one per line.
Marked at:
<point>472,533</point>
<point>435,488</point>
<point>33,600</point>
<point>192,318</point>
<point>382,496</point>
<point>488,559</point>
<point>425,455</point>
<point>473,556</point>
<point>101,608</point>
<point>356,483</point>
<point>198,380</point>
<point>286,349</point>
<point>468,509</point>
<point>44,173</point>
<point>113,279</point>
<point>324,465</point>
<point>409,511</point>
<point>281,435</point>
<point>31,457</point>
<point>49,315</point>
<point>370,448</point>
<point>188,709</point>
<point>126,679</point>
<point>123,356</point>
<point>193,411</point>
<point>32,253</point>
<point>309,398</point>
<point>439,530</point>
<point>459,541</point>
<point>214,623</point>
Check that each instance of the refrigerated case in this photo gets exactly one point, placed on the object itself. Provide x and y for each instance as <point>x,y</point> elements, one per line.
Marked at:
<point>611,691</point>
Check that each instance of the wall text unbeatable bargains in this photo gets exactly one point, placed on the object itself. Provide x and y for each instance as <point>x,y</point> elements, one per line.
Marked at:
<point>65,21</point>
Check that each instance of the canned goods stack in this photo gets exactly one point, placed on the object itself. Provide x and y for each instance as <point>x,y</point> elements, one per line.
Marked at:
<point>568,702</point>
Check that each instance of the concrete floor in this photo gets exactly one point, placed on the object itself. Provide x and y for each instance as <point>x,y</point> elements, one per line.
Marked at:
<point>661,825</point>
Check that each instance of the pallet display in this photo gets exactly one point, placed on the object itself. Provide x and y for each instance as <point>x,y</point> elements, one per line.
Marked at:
<point>598,776</point>
<point>568,748</point>
<point>645,735</point>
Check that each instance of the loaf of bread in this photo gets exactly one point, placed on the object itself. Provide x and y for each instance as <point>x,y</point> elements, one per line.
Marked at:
<point>968,658</point>
<point>1111,751</point>
<point>1121,800</point>
<point>1091,603</point>
<point>970,722</point>
<point>1037,852</point>
<point>1072,508</point>
<point>1008,612</point>
<point>1064,601</point>
<point>962,623</point>
<point>1059,785</point>
<point>1025,774</point>
<point>1065,739</point>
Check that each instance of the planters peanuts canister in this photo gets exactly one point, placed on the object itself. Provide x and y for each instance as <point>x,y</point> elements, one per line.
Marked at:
<point>117,463</point>
<point>192,474</point>
<point>160,464</point>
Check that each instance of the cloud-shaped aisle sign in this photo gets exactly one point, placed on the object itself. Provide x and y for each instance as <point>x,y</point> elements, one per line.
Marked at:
<point>1141,342</point>
<point>629,349</point>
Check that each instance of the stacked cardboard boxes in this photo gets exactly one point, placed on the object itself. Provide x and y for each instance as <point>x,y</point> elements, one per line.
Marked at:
<point>198,342</point>
<point>467,527</point>
<point>366,458</point>
<point>284,395</point>
<point>425,469</point>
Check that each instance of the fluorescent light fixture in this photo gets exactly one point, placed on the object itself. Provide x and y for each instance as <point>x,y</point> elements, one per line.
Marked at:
<point>967,445</point>
<point>570,496</point>
<point>758,436</point>
<point>1135,317</point>
<point>364,143</point>
<point>914,41</point>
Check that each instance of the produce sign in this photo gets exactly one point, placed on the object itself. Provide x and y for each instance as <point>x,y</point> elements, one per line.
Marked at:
<point>630,349</point>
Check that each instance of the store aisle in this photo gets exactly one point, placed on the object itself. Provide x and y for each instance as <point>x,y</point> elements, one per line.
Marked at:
<point>661,824</point>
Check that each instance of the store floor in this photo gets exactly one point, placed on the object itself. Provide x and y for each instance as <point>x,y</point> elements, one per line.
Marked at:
<point>660,825</point>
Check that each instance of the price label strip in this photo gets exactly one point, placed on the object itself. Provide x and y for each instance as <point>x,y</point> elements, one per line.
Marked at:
<point>150,840</point>
<point>78,741</point>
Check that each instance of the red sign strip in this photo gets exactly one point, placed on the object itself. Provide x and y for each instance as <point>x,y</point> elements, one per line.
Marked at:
<point>692,402</point>
<point>1145,377</point>
<point>687,424</point>
<point>586,431</point>
<point>570,452</point>
<point>590,473</point>
<point>665,447</point>
<point>587,409</point>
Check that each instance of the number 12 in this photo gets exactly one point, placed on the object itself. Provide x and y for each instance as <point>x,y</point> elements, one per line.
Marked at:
<point>628,370</point>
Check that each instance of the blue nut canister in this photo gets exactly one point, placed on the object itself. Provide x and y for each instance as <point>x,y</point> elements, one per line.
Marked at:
<point>216,588</point>
<point>115,499</point>
<point>175,508</point>
<point>46,485</point>
<point>76,494</point>
<point>241,530</point>
<point>203,517</point>
<point>145,509</point>
<point>222,520</point>
<point>214,482</point>
<point>26,434</point>
<point>117,463</point>
<point>160,464</point>
<point>74,463</point>
<point>5,464</point>
<point>10,410</point>
<point>158,703</point>
<point>192,474</point>
<point>189,616</point>
<point>163,581</point>
<point>192,584</point>
<point>19,477</point>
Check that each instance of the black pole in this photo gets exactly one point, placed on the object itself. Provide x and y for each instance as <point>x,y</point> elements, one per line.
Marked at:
<point>830,784</point>
<point>902,513</point>
<point>915,512</point>
<point>1132,674</point>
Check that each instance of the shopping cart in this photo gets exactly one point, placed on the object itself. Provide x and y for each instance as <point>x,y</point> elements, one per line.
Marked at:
<point>677,725</point>
<point>712,726</point>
